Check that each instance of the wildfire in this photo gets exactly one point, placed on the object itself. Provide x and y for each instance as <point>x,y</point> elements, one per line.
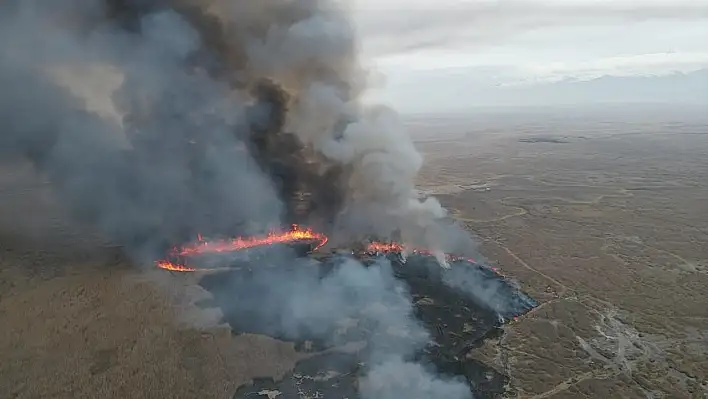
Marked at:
<point>176,259</point>
<point>173,267</point>
<point>384,247</point>
<point>202,246</point>
<point>393,247</point>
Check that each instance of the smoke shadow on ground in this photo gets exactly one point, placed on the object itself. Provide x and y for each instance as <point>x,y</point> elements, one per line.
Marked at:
<point>456,322</point>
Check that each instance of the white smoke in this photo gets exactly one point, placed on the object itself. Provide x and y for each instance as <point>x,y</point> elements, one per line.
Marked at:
<point>300,304</point>
<point>397,378</point>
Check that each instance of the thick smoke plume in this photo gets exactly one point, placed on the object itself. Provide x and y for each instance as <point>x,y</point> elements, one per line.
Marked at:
<point>157,120</point>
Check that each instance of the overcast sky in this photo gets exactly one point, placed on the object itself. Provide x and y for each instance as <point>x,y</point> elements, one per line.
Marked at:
<point>447,48</point>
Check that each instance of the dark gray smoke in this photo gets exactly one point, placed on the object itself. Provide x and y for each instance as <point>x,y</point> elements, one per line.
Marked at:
<point>178,159</point>
<point>156,120</point>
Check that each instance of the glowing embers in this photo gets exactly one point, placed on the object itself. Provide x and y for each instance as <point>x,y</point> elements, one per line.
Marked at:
<point>400,249</point>
<point>403,252</point>
<point>178,259</point>
<point>174,266</point>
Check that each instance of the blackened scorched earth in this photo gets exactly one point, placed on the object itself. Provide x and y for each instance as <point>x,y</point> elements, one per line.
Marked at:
<point>456,319</point>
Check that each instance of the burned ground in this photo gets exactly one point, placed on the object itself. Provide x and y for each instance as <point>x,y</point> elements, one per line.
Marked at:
<point>456,321</point>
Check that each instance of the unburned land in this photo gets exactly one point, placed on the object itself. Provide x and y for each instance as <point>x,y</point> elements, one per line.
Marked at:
<point>606,223</point>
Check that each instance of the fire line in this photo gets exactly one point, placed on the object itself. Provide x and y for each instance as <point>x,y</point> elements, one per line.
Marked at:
<point>202,246</point>
<point>175,260</point>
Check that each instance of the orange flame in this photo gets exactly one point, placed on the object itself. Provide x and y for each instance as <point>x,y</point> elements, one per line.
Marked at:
<point>239,243</point>
<point>384,247</point>
<point>173,267</point>
<point>394,247</point>
<point>387,247</point>
<point>202,246</point>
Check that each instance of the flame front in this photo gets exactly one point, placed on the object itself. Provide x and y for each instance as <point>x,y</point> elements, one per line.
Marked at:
<point>176,257</point>
<point>239,243</point>
<point>384,247</point>
<point>202,246</point>
<point>387,247</point>
<point>376,247</point>
<point>173,267</point>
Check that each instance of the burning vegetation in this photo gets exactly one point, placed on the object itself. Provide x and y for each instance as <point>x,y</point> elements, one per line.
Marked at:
<point>453,309</point>
<point>236,118</point>
<point>177,257</point>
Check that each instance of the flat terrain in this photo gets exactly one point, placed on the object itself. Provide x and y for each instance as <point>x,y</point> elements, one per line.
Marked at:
<point>607,224</point>
<point>605,221</point>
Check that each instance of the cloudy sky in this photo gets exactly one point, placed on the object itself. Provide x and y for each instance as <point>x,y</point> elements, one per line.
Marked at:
<point>440,50</point>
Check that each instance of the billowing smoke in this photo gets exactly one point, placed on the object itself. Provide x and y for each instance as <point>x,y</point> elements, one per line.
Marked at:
<point>156,120</point>
<point>352,302</point>
<point>178,159</point>
<point>223,117</point>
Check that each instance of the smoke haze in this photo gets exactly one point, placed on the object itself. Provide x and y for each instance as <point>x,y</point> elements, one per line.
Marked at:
<point>158,120</point>
<point>208,98</point>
